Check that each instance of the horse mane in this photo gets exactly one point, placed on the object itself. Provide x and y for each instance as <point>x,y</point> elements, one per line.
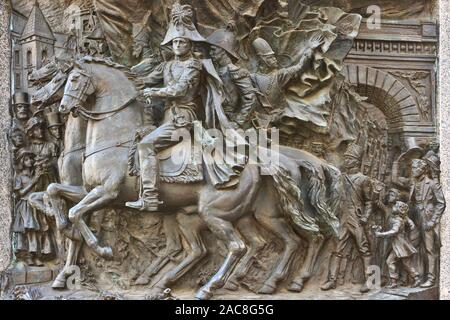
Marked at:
<point>133,77</point>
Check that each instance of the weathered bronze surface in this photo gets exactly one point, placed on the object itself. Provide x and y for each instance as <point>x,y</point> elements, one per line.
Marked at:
<point>224,149</point>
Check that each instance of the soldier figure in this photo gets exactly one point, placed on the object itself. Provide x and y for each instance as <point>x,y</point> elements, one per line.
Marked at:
<point>428,205</point>
<point>356,210</point>
<point>401,248</point>
<point>271,81</point>
<point>98,47</point>
<point>240,98</point>
<point>181,92</point>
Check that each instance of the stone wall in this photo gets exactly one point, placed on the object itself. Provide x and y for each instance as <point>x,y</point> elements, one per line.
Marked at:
<point>5,122</point>
<point>444,110</point>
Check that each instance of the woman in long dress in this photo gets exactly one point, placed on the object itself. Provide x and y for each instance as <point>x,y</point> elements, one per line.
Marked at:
<point>30,226</point>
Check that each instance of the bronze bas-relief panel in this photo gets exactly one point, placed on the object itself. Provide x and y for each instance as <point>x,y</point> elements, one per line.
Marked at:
<point>106,196</point>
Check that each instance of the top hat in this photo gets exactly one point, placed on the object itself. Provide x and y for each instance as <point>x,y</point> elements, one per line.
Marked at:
<point>20,98</point>
<point>53,120</point>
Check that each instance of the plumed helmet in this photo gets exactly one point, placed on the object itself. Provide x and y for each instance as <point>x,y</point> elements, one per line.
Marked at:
<point>354,151</point>
<point>20,98</point>
<point>225,39</point>
<point>182,24</point>
<point>262,47</point>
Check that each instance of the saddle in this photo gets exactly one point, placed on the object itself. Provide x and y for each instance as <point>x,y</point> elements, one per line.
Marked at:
<point>181,163</point>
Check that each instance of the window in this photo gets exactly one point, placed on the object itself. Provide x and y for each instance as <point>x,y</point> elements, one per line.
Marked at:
<point>29,58</point>
<point>44,56</point>
<point>86,26</point>
<point>17,81</point>
<point>17,58</point>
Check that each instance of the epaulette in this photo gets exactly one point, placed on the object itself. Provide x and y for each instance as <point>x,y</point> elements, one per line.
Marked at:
<point>238,72</point>
<point>195,63</point>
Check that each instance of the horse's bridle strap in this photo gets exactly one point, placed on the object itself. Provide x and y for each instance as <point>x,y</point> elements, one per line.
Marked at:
<point>102,115</point>
<point>64,153</point>
<point>116,145</point>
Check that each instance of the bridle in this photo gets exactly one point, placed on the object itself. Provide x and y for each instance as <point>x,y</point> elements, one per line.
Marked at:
<point>81,96</point>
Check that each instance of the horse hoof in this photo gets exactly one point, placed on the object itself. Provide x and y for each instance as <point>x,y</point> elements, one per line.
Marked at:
<point>203,294</point>
<point>106,253</point>
<point>142,281</point>
<point>267,289</point>
<point>295,287</point>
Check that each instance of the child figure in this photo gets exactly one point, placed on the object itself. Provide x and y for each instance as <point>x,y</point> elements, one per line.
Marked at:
<point>401,248</point>
<point>30,227</point>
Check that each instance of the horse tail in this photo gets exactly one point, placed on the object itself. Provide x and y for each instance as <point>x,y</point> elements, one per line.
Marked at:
<point>291,200</point>
<point>333,179</point>
<point>317,192</point>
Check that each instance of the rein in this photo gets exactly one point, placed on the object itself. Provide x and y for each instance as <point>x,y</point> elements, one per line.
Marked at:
<point>64,154</point>
<point>102,115</point>
<point>116,145</point>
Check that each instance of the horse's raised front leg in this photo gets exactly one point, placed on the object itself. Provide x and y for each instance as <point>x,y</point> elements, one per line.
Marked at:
<point>95,200</point>
<point>250,232</point>
<point>57,193</point>
<point>315,244</point>
<point>190,227</point>
<point>226,232</point>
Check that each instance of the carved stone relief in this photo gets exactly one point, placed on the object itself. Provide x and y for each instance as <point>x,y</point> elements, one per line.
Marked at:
<point>106,200</point>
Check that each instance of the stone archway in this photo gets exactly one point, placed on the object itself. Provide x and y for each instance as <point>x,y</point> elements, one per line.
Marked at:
<point>387,93</point>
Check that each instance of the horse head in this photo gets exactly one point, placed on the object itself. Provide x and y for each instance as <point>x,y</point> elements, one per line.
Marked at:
<point>78,88</point>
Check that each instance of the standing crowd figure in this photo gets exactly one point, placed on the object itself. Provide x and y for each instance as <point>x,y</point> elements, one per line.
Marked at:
<point>409,228</point>
<point>36,142</point>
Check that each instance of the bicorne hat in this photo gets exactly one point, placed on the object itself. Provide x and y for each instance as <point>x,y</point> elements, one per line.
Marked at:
<point>182,24</point>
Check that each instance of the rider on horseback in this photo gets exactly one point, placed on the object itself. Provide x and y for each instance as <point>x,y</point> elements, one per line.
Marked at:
<point>182,93</point>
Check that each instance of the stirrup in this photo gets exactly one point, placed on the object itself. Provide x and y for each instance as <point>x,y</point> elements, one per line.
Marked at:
<point>144,205</point>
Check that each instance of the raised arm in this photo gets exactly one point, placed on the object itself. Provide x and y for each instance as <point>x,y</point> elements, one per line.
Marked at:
<point>287,74</point>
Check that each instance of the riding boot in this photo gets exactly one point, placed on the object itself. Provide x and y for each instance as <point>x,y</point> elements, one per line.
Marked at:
<point>149,168</point>
<point>334,270</point>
